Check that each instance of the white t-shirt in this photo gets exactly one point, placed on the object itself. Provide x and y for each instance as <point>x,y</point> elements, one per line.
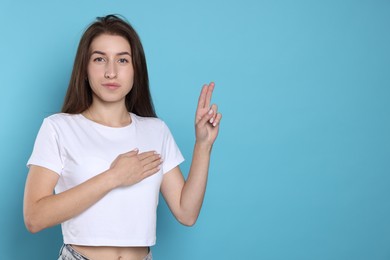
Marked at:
<point>78,149</point>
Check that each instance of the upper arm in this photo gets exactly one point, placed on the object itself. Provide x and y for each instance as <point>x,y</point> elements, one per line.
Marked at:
<point>171,188</point>
<point>40,183</point>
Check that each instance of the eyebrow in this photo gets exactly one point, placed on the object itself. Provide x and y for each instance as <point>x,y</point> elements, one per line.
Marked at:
<point>118,54</point>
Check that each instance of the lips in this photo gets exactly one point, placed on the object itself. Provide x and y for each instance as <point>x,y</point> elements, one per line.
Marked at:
<point>111,85</point>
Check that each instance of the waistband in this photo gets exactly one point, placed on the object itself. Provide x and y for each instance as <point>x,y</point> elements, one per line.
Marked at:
<point>69,253</point>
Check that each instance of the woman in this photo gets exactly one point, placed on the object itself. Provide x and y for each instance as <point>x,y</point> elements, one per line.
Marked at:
<point>107,156</point>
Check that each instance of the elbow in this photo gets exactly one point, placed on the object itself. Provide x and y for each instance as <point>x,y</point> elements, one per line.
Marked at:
<point>32,224</point>
<point>31,227</point>
<point>188,221</point>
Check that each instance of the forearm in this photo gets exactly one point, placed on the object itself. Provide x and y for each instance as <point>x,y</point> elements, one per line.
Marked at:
<point>55,209</point>
<point>194,188</point>
<point>185,197</point>
<point>42,209</point>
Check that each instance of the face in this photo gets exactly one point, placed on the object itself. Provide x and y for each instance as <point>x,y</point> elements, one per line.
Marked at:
<point>110,69</point>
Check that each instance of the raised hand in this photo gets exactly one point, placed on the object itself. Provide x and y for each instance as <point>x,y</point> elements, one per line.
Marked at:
<point>207,118</point>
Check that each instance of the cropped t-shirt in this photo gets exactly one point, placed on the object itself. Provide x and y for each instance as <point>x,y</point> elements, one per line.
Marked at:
<point>78,149</point>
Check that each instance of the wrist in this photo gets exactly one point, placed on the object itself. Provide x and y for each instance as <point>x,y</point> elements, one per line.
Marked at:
<point>111,179</point>
<point>203,146</point>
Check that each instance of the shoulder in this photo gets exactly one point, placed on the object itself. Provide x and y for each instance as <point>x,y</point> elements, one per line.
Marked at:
<point>152,122</point>
<point>58,117</point>
<point>61,118</point>
<point>62,121</point>
<point>151,125</point>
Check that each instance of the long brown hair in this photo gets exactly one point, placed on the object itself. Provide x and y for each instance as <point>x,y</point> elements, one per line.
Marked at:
<point>79,94</point>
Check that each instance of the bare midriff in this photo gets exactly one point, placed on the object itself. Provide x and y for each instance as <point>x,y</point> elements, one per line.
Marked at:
<point>112,253</point>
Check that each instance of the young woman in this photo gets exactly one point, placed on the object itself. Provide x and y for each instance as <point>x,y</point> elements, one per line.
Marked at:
<point>107,156</point>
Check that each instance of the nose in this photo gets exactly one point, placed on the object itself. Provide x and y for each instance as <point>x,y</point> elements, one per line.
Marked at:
<point>111,71</point>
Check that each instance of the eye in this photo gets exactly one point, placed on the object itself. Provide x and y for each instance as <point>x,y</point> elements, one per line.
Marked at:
<point>98,59</point>
<point>123,60</point>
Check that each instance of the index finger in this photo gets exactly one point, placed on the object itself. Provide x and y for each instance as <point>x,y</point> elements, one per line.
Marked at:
<point>202,97</point>
<point>145,155</point>
<point>205,96</point>
<point>209,93</point>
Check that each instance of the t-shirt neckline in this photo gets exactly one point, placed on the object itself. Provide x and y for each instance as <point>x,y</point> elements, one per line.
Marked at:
<point>84,118</point>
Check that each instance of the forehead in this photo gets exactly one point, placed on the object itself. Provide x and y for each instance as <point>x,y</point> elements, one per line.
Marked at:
<point>110,44</point>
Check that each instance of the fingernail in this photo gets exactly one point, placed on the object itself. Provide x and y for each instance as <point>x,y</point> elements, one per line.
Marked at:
<point>215,124</point>
<point>211,120</point>
<point>210,111</point>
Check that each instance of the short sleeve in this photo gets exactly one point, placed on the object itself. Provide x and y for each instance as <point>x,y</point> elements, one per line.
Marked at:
<point>171,154</point>
<point>46,152</point>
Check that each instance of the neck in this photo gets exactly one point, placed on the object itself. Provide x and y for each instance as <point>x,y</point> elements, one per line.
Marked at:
<point>114,115</point>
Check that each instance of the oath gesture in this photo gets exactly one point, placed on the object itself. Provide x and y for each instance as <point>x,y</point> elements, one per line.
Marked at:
<point>207,118</point>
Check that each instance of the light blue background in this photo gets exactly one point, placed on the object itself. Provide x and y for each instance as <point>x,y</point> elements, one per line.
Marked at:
<point>301,169</point>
